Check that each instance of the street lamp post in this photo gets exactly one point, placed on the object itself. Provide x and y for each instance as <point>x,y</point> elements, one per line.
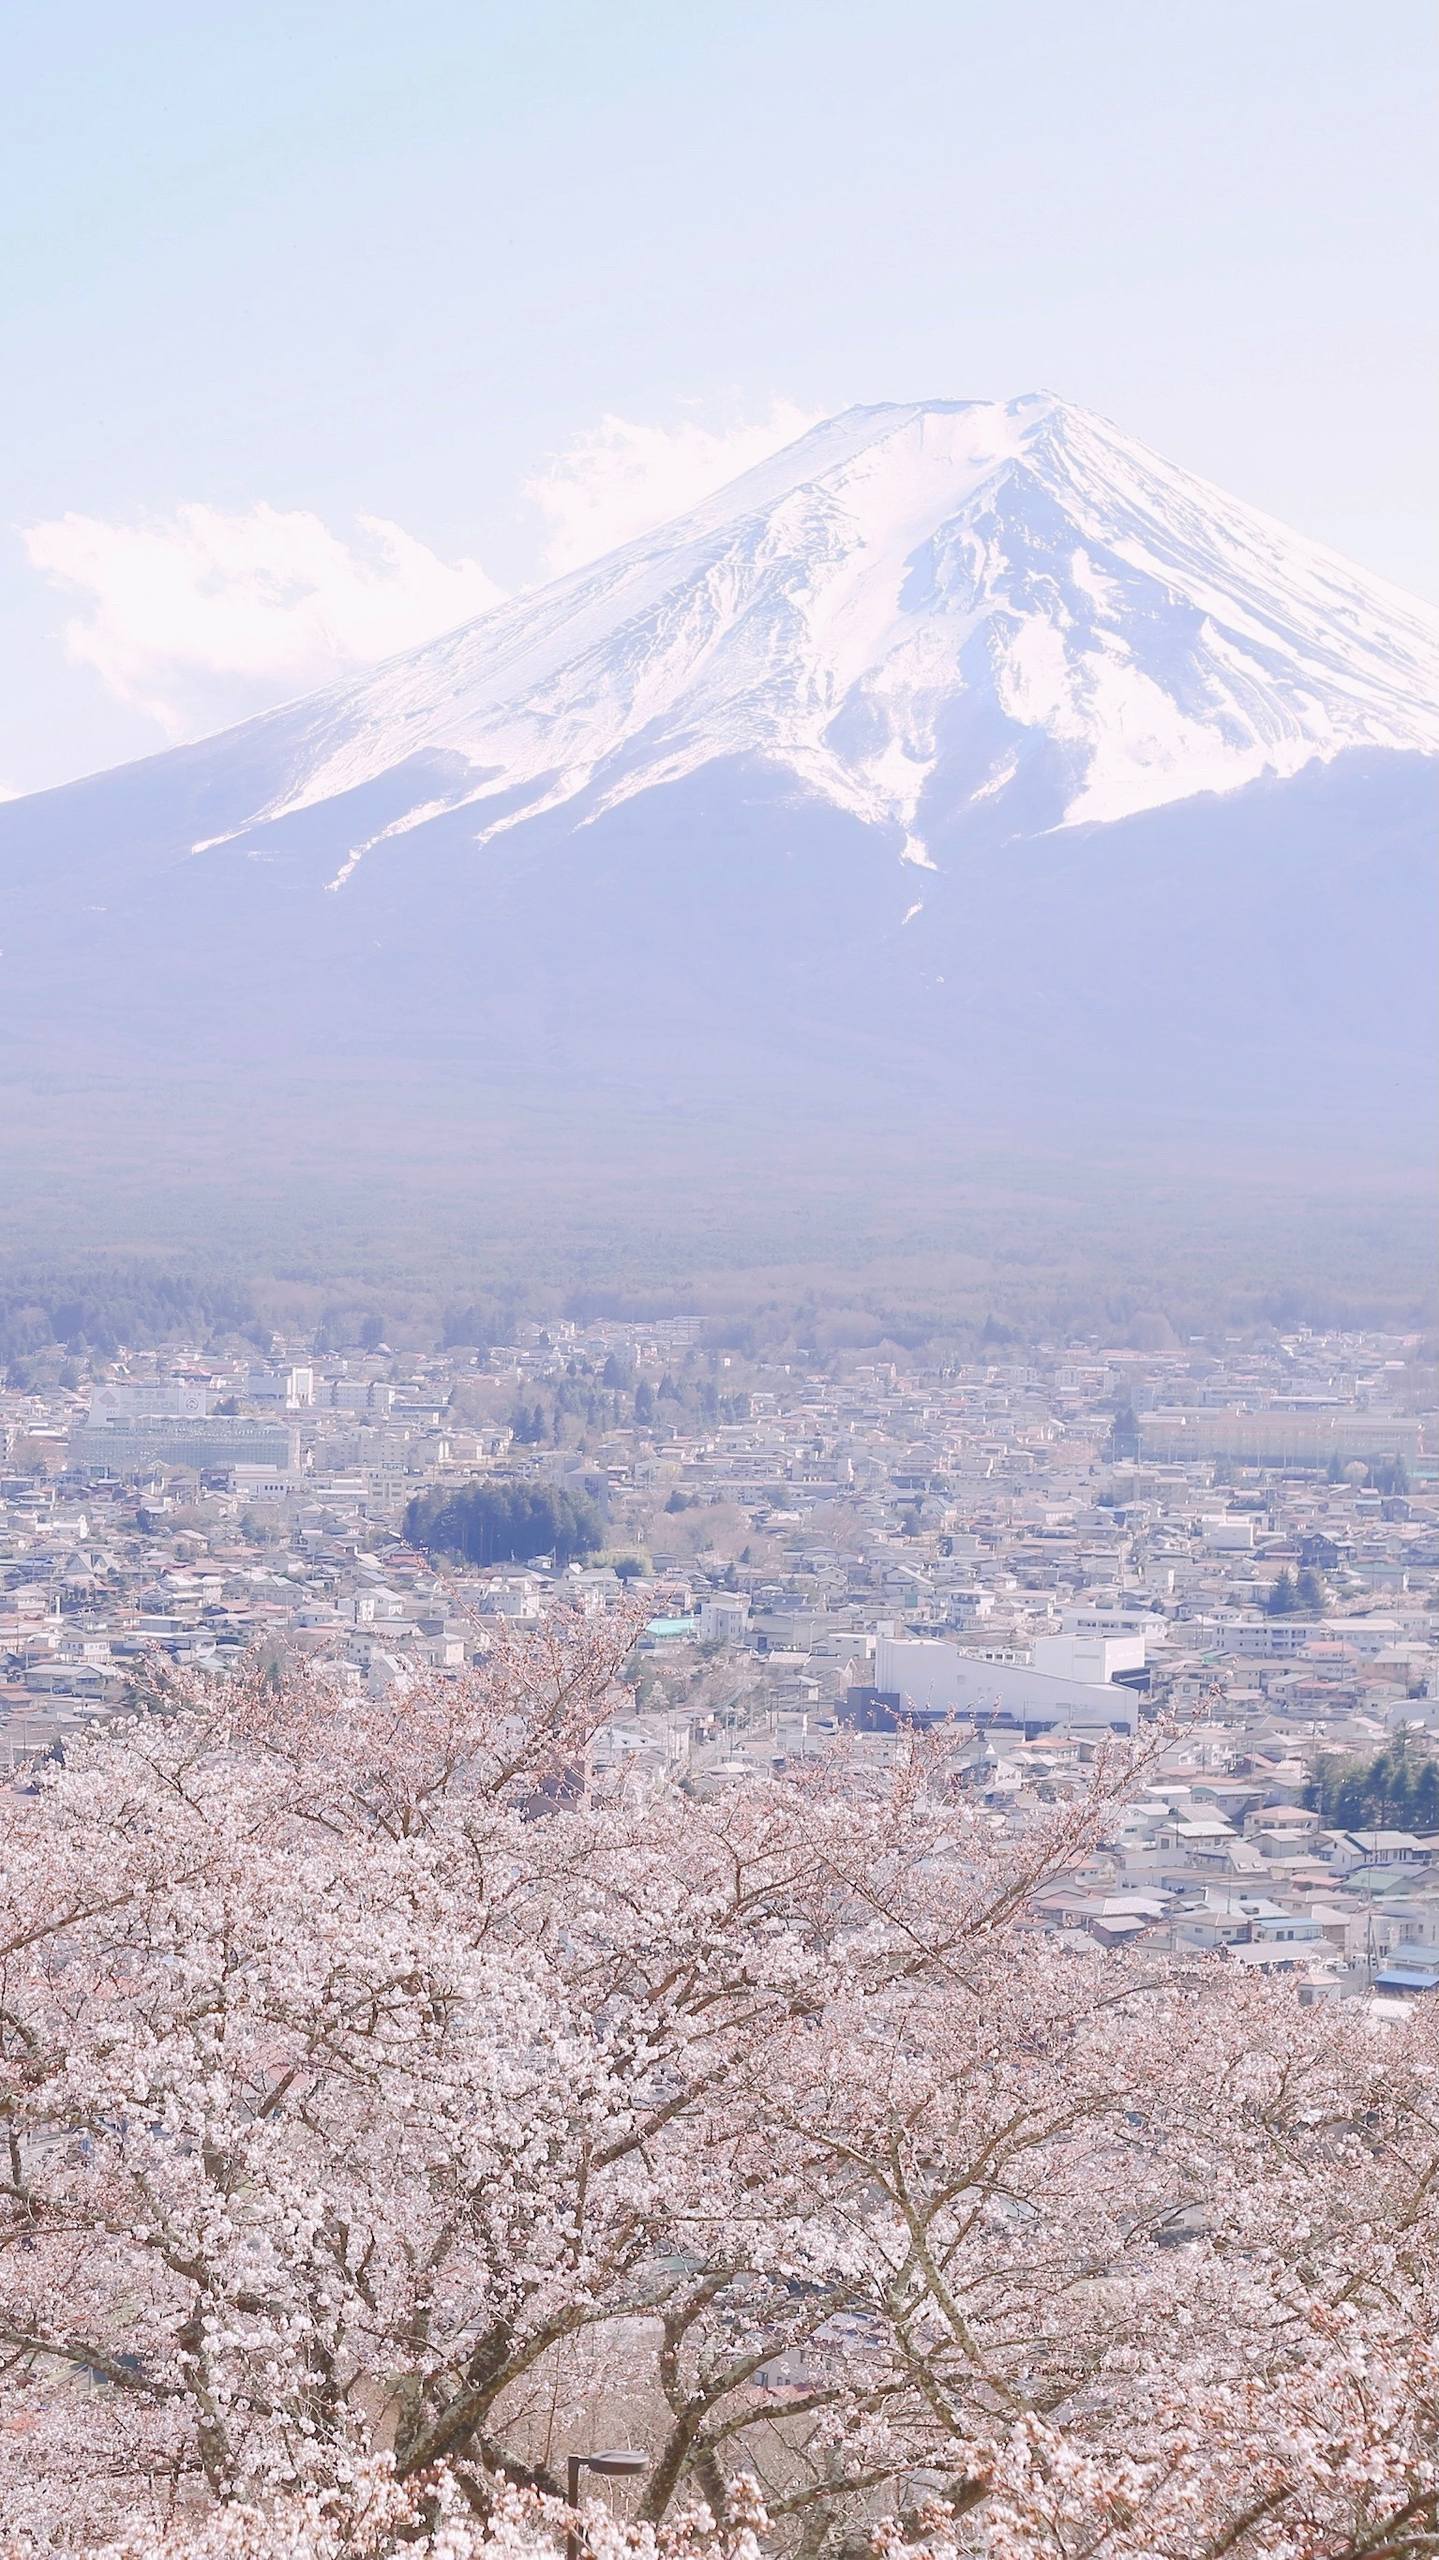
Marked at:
<point>621,2462</point>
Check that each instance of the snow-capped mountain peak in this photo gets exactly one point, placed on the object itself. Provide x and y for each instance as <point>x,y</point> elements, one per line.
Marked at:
<point>639,844</point>
<point>931,615</point>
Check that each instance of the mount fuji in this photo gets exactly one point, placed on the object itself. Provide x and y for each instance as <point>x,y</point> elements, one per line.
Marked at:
<point>964,753</point>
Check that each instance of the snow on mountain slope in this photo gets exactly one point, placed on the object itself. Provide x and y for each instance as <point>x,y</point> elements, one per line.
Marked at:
<point>919,612</point>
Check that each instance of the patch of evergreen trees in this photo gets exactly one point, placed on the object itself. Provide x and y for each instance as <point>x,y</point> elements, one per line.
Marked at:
<point>1397,1790</point>
<point>1296,1595</point>
<point>1382,1475</point>
<point>505,1523</point>
<point>587,1400</point>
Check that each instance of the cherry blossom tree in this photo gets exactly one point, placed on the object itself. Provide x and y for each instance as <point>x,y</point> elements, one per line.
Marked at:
<point>376,2515</point>
<point>387,2116</point>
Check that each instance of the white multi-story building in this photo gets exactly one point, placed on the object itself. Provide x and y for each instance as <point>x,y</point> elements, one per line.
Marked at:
<point>1097,1659</point>
<point>937,1678</point>
<point>1143,1623</point>
<point>356,1395</point>
<point>293,1388</point>
<point>1280,1639</point>
<point>724,1618</point>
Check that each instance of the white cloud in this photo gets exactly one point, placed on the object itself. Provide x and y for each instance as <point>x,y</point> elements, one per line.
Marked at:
<point>201,617</point>
<point>620,478</point>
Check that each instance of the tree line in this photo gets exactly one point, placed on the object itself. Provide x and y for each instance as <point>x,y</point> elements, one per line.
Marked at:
<point>1396,1790</point>
<point>131,1304</point>
<point>506,1522</point>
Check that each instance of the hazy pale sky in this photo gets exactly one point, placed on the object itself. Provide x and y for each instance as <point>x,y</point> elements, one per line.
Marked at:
<point>328,321</point>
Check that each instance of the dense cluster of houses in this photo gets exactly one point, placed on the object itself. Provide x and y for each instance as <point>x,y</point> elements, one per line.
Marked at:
<point>1031,1549</point>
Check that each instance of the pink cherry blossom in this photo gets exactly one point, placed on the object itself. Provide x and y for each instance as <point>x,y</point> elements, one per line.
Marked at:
<point>385,2119</point>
